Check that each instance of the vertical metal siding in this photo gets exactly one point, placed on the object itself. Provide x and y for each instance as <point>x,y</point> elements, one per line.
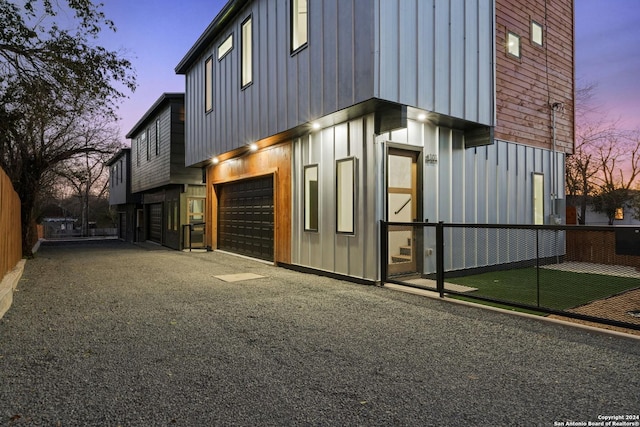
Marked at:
<point>354,255</point>
<point>437,55</point>
<point>430,54</point>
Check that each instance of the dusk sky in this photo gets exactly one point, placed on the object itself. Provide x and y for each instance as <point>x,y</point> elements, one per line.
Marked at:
<point>156,34</point>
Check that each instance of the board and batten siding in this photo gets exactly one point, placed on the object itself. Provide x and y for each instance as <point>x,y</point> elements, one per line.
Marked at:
<point>433,55</point>
<point>529,85</point>
<point>168,166</point>
<point>489,184</point>
<point>333,72</point>
<point>354,254</point>
<point>437,55</point>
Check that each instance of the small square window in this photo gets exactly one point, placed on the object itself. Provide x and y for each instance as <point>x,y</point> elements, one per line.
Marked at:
<point>619,214</point>
<point>513,44</point>
<point>536,33</point>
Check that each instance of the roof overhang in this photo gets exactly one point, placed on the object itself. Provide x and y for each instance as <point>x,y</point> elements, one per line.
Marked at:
<point>155,108</point>
<point>228,12</point>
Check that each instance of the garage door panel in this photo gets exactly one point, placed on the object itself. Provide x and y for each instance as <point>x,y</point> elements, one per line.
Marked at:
<point>155,222</point>
<point>246,219</point>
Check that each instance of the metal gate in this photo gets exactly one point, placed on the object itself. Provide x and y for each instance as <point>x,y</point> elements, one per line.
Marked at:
<point>246,217</point>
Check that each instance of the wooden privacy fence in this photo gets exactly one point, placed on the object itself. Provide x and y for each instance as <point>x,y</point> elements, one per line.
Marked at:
<point>598,247</point>
<point>10,226</point>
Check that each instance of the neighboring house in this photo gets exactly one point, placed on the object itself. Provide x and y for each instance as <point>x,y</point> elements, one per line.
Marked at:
<point>121,198</point>
<point>172,195</point>
<point>314,120</point>
<point>625,215</point>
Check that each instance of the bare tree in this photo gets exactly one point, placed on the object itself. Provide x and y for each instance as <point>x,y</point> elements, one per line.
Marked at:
<point>86,175</point>
<point>606,160</point>
<point>52,82</point>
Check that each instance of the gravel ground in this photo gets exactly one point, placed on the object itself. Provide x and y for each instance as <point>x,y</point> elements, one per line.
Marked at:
<point>111,334</point>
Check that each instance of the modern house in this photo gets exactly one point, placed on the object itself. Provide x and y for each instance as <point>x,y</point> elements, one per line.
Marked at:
<point>121,198</point>
<point>313,120</point>
<point>171,195</point>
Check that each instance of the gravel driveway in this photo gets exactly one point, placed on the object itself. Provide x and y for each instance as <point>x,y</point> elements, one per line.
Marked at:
<point>112,334</point>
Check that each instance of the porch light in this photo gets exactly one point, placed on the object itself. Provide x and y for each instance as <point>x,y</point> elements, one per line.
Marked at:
<point>215,161</point>
<point>315,126</point>
<point>422,117</point>
<point>253,147</point>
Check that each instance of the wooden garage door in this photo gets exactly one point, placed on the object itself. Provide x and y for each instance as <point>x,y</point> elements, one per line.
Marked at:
<point>155,222</point>
<point>245,217</point>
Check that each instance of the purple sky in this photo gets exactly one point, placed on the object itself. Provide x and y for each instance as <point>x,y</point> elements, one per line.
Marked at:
<point>156,34</point>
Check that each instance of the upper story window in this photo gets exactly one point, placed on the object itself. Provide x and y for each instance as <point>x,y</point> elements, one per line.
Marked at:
<point>299,24</point>
<point>144,141</point>
<point>225,47</point>
<point>157,136</point>
<point>121,169</point>
<point>247,48</point>
<point>513,44</point>
<point>208,84</point>
<point>138,143</point>
<point>536,33</point>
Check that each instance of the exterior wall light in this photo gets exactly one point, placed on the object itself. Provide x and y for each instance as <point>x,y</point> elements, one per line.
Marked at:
<point>253,147</point>
<point>422,117</point>
<point>315,126</point>
<point>215,161</point>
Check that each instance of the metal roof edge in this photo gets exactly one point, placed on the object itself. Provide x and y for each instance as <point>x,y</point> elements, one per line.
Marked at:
<point>165,97</point>
<point>228,12</point>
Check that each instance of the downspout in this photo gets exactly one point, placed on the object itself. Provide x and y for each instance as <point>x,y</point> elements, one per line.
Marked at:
<point>555,107</point>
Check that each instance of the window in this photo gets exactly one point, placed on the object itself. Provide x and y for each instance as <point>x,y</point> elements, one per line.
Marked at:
<point>146,140</point>
<point>538,198</point>
<point>619,214</point>
<point>299,24</point>
<point>208,85</point>
<point>157,137</point>
<point>513,44</point>
<point>138,143</point>
<point>120,169</point>
<point>225,47</point>
<point>536,33</point>
<point>311,198</point>
<point>247,77</point>
<point>345,195</point>
<point>196,211</point>
<point>114,174</point>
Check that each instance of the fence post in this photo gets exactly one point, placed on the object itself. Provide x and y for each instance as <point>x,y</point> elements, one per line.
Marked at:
<point>384,249</point>
<point>537,267</point>
<point>440,258</point>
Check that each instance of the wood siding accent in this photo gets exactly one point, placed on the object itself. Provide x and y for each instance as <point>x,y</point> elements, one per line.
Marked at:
<point>274,160</point>
<point>10,226</point>
<point>526,87</point>
<point>598,247</point>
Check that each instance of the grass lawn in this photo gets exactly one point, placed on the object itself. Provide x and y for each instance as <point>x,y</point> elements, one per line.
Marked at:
<point>558,289</point>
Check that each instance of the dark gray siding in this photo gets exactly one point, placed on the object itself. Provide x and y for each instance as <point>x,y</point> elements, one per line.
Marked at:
<point>119,178</point>
<point>166,165</point>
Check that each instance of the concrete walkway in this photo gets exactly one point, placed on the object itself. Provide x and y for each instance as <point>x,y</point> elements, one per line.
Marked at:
<point>108,334</point>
